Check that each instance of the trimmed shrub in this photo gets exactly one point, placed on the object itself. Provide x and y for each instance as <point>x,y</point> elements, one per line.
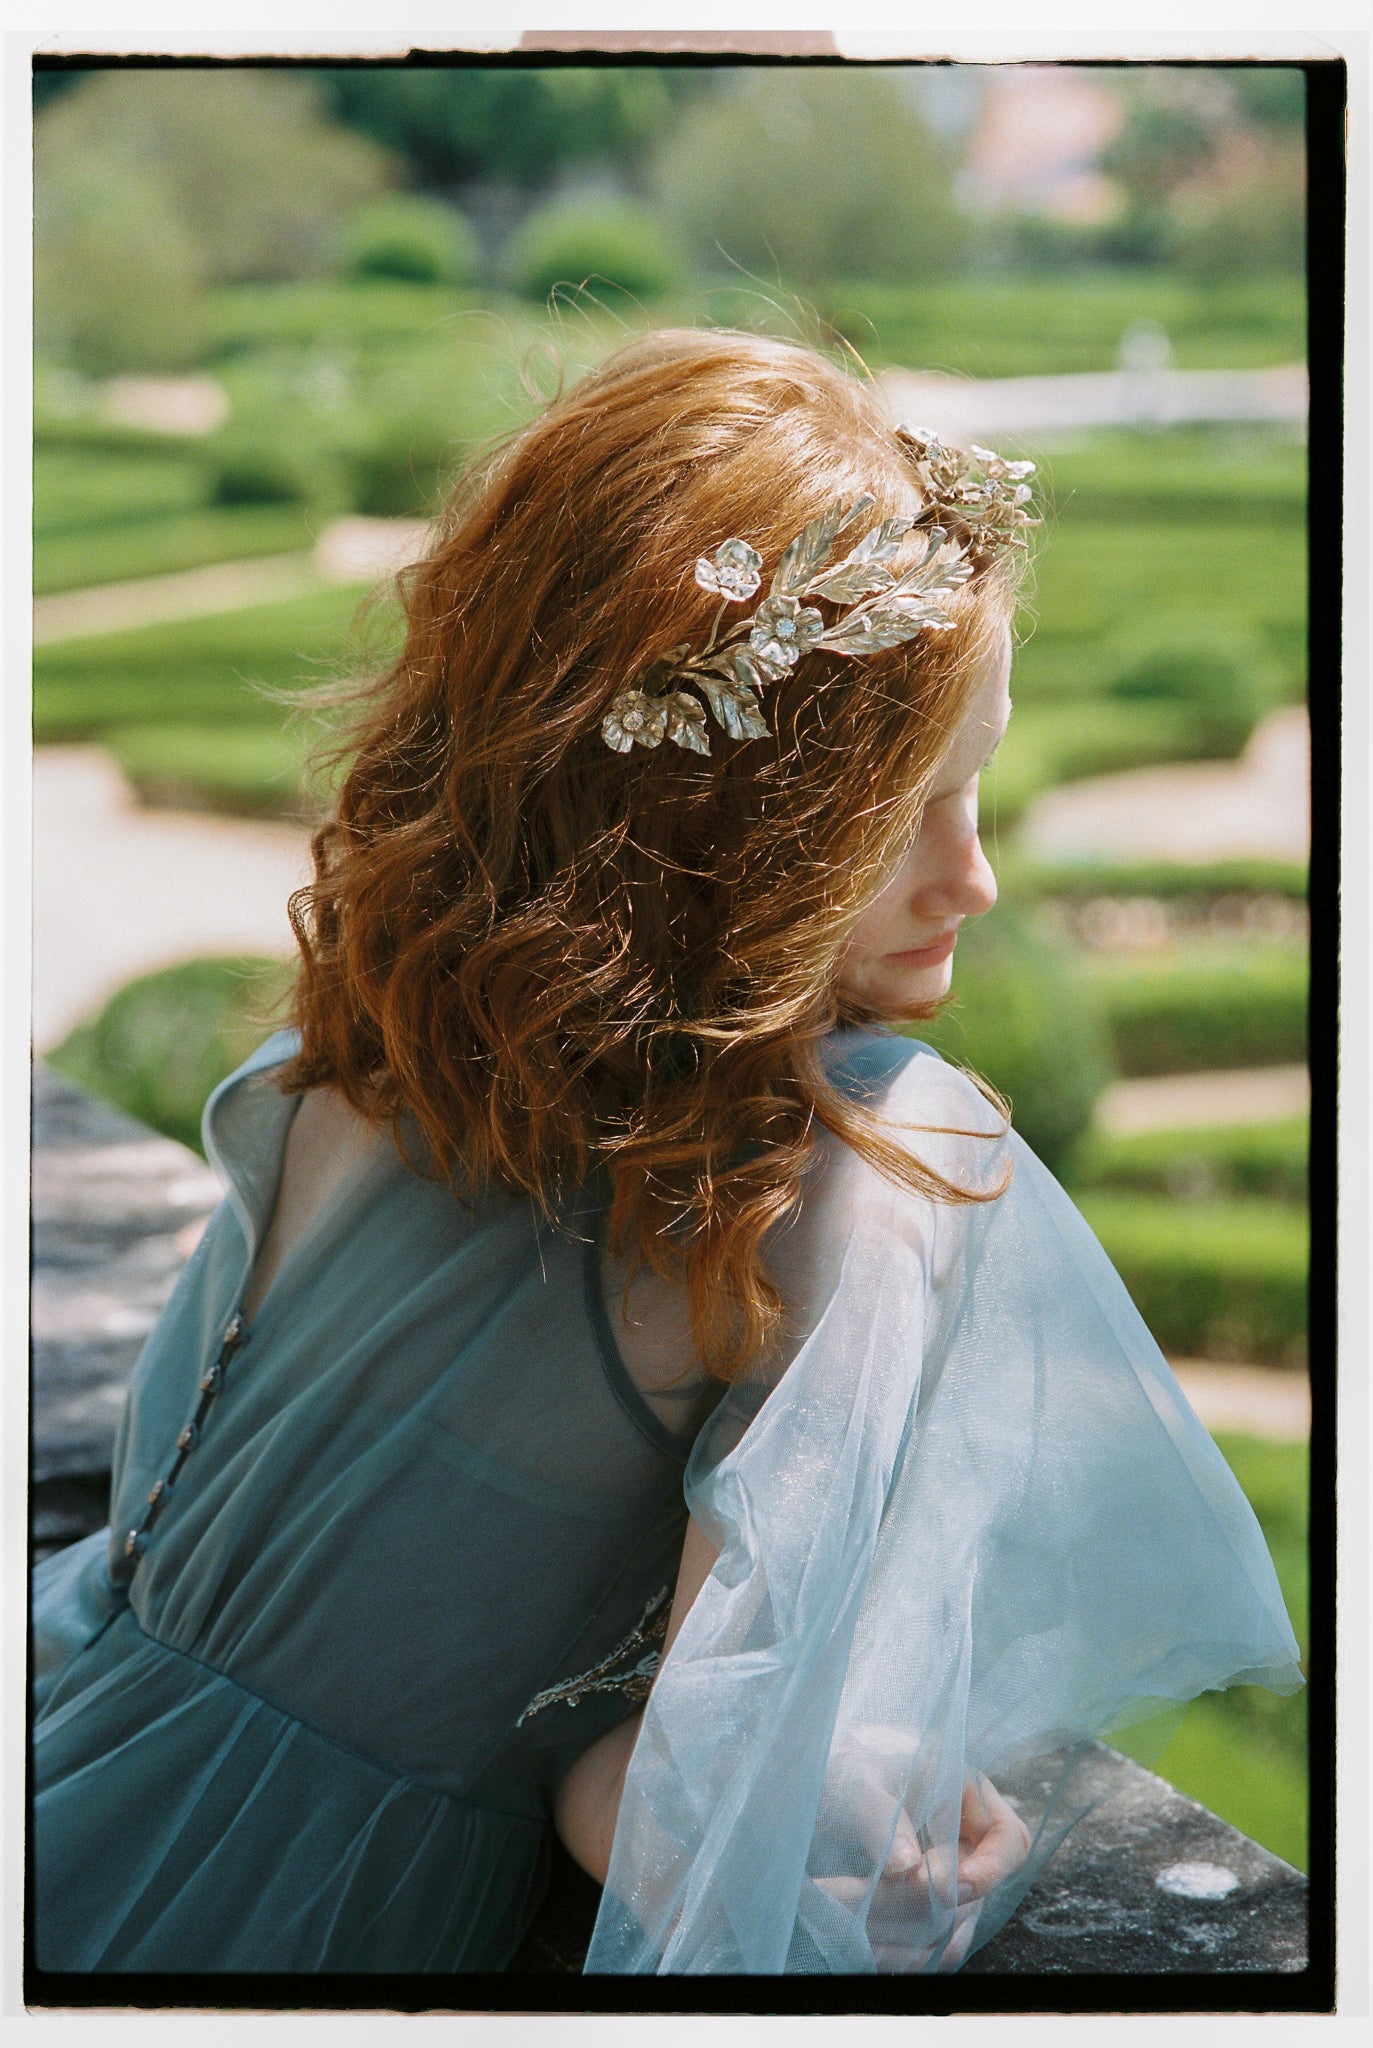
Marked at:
<point>1200,1162</point>
<point>998,324</point>
<point>1211,1279</point>
<point>205,669</point>
<point>1167,879</point>
<point>1223,677</point>
<point>160,1046</point>
<point>1212,1006</point>
<point>1101,582</point>
<point>75,489</point>
<point>157,545</point>
<point>265,468</point>
<point>408,236</point>
<point>593,240</point>
<point>1024,1019</point>
<point>244,319</point>
<point>249,771</point>
<point>399,467</point>
<point>1191,475</point>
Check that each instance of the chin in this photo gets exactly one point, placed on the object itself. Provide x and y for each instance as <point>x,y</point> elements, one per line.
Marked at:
<point>900,995</point>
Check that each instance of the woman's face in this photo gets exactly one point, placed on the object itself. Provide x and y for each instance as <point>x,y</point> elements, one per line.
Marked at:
<point>899,954</point>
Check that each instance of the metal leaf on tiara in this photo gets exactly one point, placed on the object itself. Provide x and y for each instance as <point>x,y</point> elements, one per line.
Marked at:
<point>976,503</point>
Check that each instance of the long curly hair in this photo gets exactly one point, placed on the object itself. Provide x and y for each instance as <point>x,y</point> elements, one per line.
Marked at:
<point>559,959</point>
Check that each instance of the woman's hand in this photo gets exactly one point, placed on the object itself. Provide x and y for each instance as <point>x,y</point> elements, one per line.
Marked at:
<point>917,1886</point>
<point>993,1841</point>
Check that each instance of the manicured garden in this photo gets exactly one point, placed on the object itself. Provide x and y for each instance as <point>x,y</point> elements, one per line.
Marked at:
<point>1165,619</point>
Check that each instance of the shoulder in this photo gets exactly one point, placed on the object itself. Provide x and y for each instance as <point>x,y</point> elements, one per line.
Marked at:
<point>912,1097</point>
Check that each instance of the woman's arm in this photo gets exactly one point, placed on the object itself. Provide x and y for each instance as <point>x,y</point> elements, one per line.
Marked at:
<point>588,1799</point>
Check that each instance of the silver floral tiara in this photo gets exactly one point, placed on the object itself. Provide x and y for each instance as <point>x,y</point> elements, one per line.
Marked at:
<point>975,505</point>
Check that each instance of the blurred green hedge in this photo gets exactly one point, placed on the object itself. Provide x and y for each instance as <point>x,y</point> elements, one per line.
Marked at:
<point>75,488</point>
<point>1242,1752</point>
<point>1058,323</point>
<point>1024,1017</point>
<point>240,770</point>
<point>161,544</point>
<point>410,236</point>
<point>1211,1279</point>
<point>1167,879</point>
<point>160,1046</point>
<point>595,240</point>
<point>201,670</point>
<point>1047,744</point>
<point>1199,1162</point>
<point>1186,1011</point>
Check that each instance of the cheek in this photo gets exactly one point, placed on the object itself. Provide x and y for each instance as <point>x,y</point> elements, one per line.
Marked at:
<point>870,932</point>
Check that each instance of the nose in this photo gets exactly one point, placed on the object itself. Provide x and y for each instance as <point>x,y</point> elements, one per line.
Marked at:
<point>979,882</point>
<point>964,885</point>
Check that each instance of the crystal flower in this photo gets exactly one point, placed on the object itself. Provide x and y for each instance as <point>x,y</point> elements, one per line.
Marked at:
<point>634,716</point>
<point>735,572</point>
<point>783,630</point>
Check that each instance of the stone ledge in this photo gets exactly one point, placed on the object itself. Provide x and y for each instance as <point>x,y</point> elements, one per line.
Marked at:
<point>1149,1883</point>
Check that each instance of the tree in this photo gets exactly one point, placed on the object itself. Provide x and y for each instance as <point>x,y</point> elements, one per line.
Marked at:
<point>810,175</point>
<point>116,276</point>
<point>455,124</point>
<point>244,157</point>
<point>1209,167</point>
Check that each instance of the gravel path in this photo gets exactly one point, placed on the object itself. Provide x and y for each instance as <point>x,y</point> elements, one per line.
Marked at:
<point>119,890</point>
<point>158,600</point>
<point>1252,1399</point>
<point>353,550</point>
<point>1024,408</point>
<point>1232,1095</point>
<point>1258,807</point>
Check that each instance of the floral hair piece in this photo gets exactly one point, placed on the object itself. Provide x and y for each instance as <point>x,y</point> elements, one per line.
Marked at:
<point>976,503</point>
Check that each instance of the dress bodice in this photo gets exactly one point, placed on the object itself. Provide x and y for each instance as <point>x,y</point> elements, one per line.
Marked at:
<point>415,1518</point>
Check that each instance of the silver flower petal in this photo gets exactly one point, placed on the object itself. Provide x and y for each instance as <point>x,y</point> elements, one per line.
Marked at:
<point>784,630</point>
<point>634,718</point>
<point>734,574</point>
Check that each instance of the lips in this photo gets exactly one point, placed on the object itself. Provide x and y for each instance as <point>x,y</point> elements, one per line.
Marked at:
<point>927,956</point>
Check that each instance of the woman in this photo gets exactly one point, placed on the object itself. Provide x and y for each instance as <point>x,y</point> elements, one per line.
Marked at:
<point>583,1159</point>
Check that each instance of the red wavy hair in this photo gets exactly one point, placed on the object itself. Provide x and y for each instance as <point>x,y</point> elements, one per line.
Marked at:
<point>557,958</point>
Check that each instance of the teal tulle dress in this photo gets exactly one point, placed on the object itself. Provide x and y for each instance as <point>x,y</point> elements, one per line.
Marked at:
<point>382,1564</point>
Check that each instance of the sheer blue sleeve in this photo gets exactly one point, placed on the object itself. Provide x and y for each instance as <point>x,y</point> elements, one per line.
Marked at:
<point>971,1526</point>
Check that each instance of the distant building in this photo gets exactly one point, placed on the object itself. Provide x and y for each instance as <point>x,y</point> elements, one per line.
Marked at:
<point>1035,143</point>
